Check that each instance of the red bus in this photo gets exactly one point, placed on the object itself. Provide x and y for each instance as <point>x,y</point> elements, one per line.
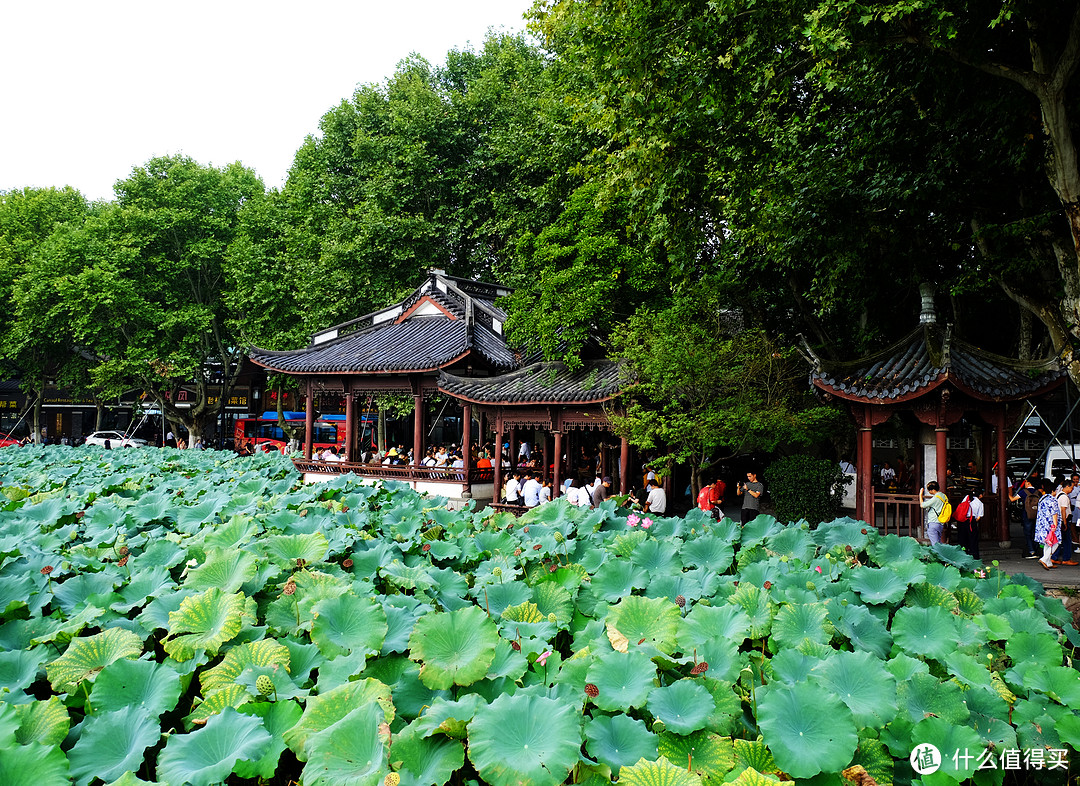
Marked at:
<point>265,434</point>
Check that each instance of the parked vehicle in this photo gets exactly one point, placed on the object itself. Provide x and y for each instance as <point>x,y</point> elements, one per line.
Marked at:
<point>116,440</point>
<point>1061,460</point>
<point>8,441</point>
<point>266,435</point>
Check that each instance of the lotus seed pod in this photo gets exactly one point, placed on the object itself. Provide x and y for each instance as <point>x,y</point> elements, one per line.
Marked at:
<point>289,588</point>
<point>552,618</point>
<point>559,537</point>
<point>591,690</point>
<point>392,779</point>
<point>264,685</point>
<point>496,571</point>
<point>680,601</point>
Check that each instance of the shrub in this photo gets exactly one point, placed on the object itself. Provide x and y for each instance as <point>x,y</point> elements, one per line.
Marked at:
<point>803,487</point>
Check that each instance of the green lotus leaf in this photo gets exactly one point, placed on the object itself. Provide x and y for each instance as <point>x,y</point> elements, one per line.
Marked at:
<point>46,722</point>
<point>619,741</point>
<point>231,695</point>
<point>87,656</point>
<point>684,706</point>
<point>19,667</point>
<point>424,761</point>
<point>616,579</point>
<point>77,590</point>
<point>862,682</point>
<point>796,623</point>
<point>922,695</point>
<point>624,679</point>
<point>495,598</point>
<point>624,543</point>
<point>930,632</point>
<point>656,556</point>
<point>892,549</point>
<point>709,755</point>
<point>225,570</point>
<point>289,550</point>
<point>1068,729</point>
<point>842,533</point>
<point>657,773</point>
<point>277,718</point>
<point>326,709</point>
<point>131,779</point>
<point>758,608</point>
<point>144,584</point>
<point>234,532</point>
<point>706,626</point>
<point>454,648</point>
<point>864,630</point>
<point>791,666</point>
<point>267,653</point>
<point>1060,683</point>
<point>1028,621</point>
<point>1029,648</point>
<point>709,553</point>
<point>794,543</point>
<point>208,755</point>
<point>348,623</point>
<point>111,744</point>
<point>524,740</point>
<point>654,620</point>
<point>807,728</point>
<point>205,622</point>
<point>878,585</point>
<point>34,764</point>
<point>409,577</point>
<point>133,684</point>
<point>949,738</point>
<point>449,717</point>
<point>552,598</point>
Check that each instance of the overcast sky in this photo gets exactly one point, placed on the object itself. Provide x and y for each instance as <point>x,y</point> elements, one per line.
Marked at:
<point>92,89</point>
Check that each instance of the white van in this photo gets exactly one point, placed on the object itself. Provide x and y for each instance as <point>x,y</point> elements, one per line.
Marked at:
<point>1062,460</point>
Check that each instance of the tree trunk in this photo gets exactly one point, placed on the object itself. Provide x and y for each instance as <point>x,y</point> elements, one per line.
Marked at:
<point>37,411</point>
<point>382,431</point>
<point>99,416</point>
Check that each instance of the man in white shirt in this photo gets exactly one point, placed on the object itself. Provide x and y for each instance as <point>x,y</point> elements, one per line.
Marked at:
<point>530,490</point>
<point>1064,554</point>
<point>513,489</point>
<point>656,502</point>
<point>976,510</point>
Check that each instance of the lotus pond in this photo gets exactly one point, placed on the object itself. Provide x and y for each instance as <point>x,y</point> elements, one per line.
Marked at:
<point>195,617</point>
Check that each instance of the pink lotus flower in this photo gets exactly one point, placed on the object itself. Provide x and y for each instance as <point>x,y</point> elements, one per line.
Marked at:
<point>818,568</point>
<point>632,519</point>
<point>646,523</point>
<point>542,659</point>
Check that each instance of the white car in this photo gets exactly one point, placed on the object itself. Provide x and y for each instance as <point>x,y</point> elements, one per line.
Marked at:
<point>116,440</point>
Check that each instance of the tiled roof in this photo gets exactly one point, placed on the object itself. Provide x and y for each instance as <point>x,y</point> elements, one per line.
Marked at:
<point>394,339</point>
<point>539,383</point>
<point>927,358</point>
<point>417,344</point>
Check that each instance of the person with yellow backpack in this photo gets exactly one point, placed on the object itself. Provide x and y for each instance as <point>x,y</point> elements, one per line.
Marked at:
<point>940,510</point>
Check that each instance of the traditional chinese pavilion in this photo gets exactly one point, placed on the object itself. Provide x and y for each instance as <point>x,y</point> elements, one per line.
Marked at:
<point>937,379</point>
<point>446,339</point>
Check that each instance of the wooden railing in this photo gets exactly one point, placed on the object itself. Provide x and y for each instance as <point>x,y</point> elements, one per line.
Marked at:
<point>899,514</point>
<point>403,472</point>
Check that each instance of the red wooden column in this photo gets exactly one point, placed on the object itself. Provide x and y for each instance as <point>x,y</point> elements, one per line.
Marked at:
<point>418,424</point>
<point>350,428</point>
<point>545,454</point>
<point>864,502</point>
<point>556,480</point>
<point>497,458</point>
<point>1003,482</point>
<point>309,420</point>
<point>466,439</point>
<point>624,466</point>
<point>941,434</point>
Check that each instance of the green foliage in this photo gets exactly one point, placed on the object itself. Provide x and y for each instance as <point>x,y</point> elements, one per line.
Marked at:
<point>803,487</point>
<point>816,660</point>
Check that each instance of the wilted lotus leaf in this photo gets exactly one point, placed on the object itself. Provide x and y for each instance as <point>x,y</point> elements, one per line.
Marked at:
<point>454,648</point>
<point>206,621</point>
<point>657,773</point>
<point>231,695</point>
<point>266,652</point>
<point>87,656</point>
<point>46,722</point>
<point>709,755</point>
<point>525,612</point>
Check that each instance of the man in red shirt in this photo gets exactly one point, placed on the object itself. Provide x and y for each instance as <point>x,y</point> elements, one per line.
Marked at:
<point>711,497</point>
